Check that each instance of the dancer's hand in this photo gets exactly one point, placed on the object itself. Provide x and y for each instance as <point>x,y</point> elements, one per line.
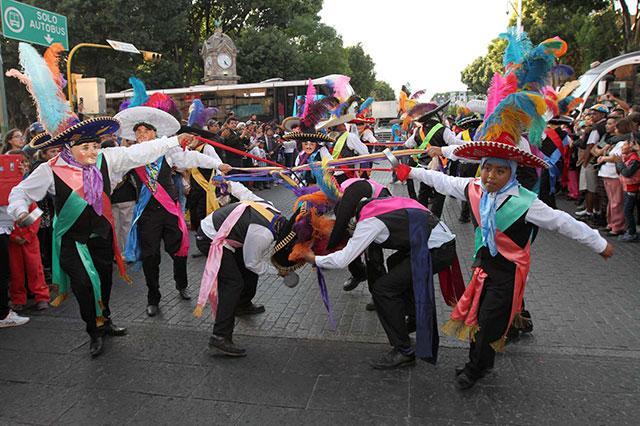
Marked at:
<point>21,218</point>
<point>310,257</point>
<point>185,140</point>
<point>224,168</point>
<point>607,252</point>
<point>434,151</point>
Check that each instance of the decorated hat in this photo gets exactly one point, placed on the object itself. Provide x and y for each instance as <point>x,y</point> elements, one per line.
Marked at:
<point>500,133</point>
<point>200,117</point>
<point>342,114</point>
<point>424,111</point>
<point>45,83</point>
<point>313,114</point>
<point>307,230</point>
<point>602,108</point>
<point>158,112</point>
<point>290,122</point>
<point>466,119</point>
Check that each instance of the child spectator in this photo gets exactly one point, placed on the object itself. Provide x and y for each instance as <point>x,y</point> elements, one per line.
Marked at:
<point>259,151</point>
<point>25,261</point>
<point>629,169</point>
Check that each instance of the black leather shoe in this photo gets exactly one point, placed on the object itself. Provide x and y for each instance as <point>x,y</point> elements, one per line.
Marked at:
<point>370,306</point>
<point>394,359</point>
<point>184,294</point>
<point>152,310</point>
<point>226,346</point>
<point>110,329</point>
<point>411,325</point>
<point>95,347</point>
<point>351,283</point>
<point>251,309</point>
<point>463,381</point>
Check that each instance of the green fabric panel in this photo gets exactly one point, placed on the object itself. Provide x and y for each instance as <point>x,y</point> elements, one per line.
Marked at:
<point>85,256</point>
<point>339,145</point>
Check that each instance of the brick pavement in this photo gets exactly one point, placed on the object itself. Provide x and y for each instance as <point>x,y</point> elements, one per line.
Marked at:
<point>580,303</point>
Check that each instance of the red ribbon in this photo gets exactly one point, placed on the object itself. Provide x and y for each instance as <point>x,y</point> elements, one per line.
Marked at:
<point>237,151</point>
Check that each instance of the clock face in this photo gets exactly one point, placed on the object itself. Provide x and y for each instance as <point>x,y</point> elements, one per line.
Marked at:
<point>224,60</point>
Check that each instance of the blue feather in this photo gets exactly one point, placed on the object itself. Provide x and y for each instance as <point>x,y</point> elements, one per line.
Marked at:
<point>139,92</point>
<point>53,110</point>
<point>517,48</point>
<point>366,104</point>
<point>562,71</point>
<point>196,110</point>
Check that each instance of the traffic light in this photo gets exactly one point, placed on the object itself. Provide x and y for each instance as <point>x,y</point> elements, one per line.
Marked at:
<point>149,56</point>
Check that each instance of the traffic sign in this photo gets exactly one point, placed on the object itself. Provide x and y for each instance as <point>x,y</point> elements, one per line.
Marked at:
<point>34,25</point>
<point>122,46</point>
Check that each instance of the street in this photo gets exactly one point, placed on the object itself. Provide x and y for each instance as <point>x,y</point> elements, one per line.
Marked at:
<point>579,366</point>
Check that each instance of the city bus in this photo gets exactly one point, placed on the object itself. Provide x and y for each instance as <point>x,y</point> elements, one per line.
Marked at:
<point>272,99</point>
<point>620,76</point>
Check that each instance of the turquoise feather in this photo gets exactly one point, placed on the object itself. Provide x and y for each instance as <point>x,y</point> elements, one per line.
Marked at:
<point>140,96</point>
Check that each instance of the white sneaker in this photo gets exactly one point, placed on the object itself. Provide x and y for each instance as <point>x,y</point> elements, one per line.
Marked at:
<point>13,320</point>
<point>582,213</point>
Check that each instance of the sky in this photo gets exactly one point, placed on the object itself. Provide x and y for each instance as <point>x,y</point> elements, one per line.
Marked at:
<point>424,42</point>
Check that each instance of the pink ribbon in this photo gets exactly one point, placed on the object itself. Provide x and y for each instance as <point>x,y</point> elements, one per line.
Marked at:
<point>209,283</point>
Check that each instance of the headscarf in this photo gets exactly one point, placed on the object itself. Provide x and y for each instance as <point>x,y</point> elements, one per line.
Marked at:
<point>91,180</point>
<point>488,205</point>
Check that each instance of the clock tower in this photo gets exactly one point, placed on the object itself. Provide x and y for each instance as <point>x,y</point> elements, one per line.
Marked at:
<point>219,54</point>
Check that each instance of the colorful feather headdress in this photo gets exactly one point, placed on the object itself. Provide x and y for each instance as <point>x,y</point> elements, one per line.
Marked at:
<point>499,135</point>
<point>199,115</point>
<point>314,114</point>
<point>45,83</point>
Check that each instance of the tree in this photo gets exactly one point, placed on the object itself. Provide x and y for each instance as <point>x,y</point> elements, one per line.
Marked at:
<point>477,75</point>
<point>267,53</point>
<point>382,91</point>
<point>363,76</point>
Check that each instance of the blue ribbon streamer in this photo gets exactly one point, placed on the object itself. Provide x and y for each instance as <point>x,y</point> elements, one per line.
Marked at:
<point>325,298</point>
<point>427,338</point>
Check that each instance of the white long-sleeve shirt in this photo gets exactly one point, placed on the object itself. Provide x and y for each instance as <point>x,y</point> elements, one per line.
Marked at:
<point>373,230</point>
<point>539,213</point>
<point>257,251</point>
<point>119,161</point>
<point>183,160</point>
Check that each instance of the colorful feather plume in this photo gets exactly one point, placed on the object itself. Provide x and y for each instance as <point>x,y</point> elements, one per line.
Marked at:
<point>309,97</point>
<point>346,106</point>
<point>140,95</point>
<point>518,46</point>
<point>500,88</point>
<point>316,111</point>
<point>551,99</point>
<point>568,104</point>
<point>518,113</point>
<point>164,103</point>
<point>54,111</point>
<point>52,58</point>
<point>534,71</point>
<point>365,105</point>
<point>419,93</point>
<point>325,181</point>
<point>199,114</point>
<point>340,86</point>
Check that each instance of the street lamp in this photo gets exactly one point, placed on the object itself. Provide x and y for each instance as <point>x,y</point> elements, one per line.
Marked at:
<point>147,56</point>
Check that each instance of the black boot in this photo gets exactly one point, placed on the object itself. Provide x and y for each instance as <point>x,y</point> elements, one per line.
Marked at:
<point>95,346</point>
<point>226,346</point>
<point>110,329</point>
<point>464,381</point>
<point>251,309</point>
<point>351,283</point>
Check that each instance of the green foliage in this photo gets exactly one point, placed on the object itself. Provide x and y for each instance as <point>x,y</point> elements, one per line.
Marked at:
<point>382,91</point>
<point>363,77</point>
<point>275,38</point>
<point>591,28</point>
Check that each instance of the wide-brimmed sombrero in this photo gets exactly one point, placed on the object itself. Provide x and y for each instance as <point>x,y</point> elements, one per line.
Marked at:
<point>290,122</point>
<point>45,85</point>
<point>82,132</point>
<point>480,149</point>
<point>561,119</point>
<point>425,111</point>
<point>316,111</point>
<point>284,246</point>
<point>163,122</point>
<point>361,119</point>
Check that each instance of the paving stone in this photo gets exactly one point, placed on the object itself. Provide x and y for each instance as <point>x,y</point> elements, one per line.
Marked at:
<point>19,402</point>
<point>158,410</point>
<point>102,407</point>
<point>263,415</point>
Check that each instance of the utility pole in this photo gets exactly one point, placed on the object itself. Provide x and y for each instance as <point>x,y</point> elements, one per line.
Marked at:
<point>3,102</point>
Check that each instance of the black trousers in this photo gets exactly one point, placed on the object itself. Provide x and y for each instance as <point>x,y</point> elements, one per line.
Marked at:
<point>545,190</point>
<point>154,226</point>
<point>197,201</point>
<point>390,293</point>
<point>4,276</point>
<point>493,317</point>
<point>426,193</point>
<point>236,287</point>
<point>101,251</point>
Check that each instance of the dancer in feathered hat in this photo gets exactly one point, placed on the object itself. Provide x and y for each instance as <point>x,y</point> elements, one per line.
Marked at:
<point>504,214</point>
<point>158,215</point>
<point>80,179</point>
